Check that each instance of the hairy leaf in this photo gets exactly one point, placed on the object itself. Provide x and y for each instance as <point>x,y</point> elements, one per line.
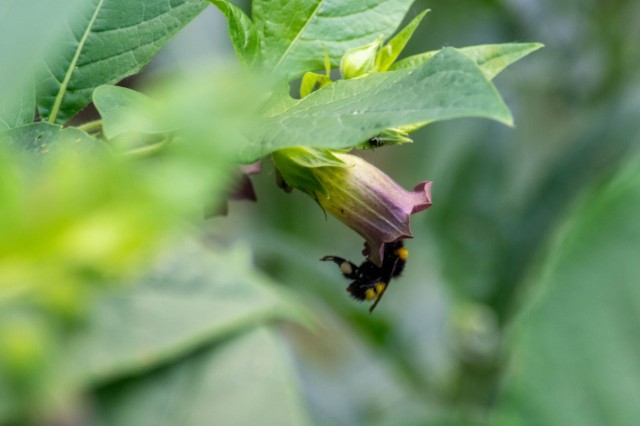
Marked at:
<point>110,40</point>
<point>20,111</point>
<point>390,52</point>
<point>48,140</point>
<point>348,112</point>
<point>28,28</point>
<point>124,110</point>
<point>295,34</point>
<point>575,348</point>
<point>242,31</point>
<point>491,58</point>
<point>247,380</point>
<point>192,297</point>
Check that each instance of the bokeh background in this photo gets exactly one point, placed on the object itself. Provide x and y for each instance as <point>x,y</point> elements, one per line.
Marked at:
<point>481,327</point>
<point>437,340</point>
<point>500,194</point>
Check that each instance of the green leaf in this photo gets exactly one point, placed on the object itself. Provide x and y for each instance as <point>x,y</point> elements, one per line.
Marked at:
<point>348,112</point>
<point>28,28</point>
<point>312,81</point>
<point>296,33</point>
<point>296,164</point>
<point>390,51</point>
<point>575,348</point>
<point>491,58</point>
<point>191,298</point>
<point>47,140</point>
<point>20,112</point>
<point>124,110</point>
<point>112,39</point>
<point>244,381</point>
<point>242,32</point>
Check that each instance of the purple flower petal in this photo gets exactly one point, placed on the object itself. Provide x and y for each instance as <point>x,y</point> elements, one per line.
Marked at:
<point>370,202</point>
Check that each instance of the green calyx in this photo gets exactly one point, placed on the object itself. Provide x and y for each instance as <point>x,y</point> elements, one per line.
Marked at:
<point>297,167</point>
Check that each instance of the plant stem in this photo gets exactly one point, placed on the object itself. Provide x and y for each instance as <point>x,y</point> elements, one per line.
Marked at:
<point>91,126</point>
<point>147,149</point>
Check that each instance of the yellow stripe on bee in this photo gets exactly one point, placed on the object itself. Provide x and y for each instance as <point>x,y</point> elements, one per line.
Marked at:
<point>369,294</point>
<point>402,253</point>
<point>372,293</point>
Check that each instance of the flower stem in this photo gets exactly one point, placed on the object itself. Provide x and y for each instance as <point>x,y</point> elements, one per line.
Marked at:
<point>147,149</point>
<point>91,126</point>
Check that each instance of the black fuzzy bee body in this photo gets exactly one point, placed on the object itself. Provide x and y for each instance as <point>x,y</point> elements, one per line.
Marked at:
<point>370,281</point>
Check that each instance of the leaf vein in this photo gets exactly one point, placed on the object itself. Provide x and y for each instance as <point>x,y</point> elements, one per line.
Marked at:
<point>72,64</point>
<point>297,37</point>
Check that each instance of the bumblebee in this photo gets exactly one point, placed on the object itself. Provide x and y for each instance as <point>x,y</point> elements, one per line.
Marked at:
<point>369,280</point>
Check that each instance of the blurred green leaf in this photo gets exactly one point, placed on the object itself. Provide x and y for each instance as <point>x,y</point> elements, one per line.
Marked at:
<point>28,28</point>
<point>242,32</point>
<point>72,214</point>
<point>19,112</point>
<point>574,349</point>
<point>28,350</point>
<point>49,141</point>
<point>247,380</point>
<point>390,51</point>
<point>491,58</point>
<point>124,111</point>
<point>192,297</point>
<point>348,112</point>
<point>202,112</point>
<point>112,39</point>
<point>295,34</point>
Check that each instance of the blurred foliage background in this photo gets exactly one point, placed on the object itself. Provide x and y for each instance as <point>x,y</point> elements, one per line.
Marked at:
<point>500,197</point>
<point>519,303</point>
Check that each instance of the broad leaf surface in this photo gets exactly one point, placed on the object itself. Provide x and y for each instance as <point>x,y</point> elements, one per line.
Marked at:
<point>28,28</point>
<point>247,380</point>
<point>110,40</point>
<point>390,52</point>
<point>19,112</point>
<point>295,34</point>
<point>46,140</point>
<point>124,110</point>
<point>491,58</point>
<point>242,32</point>
<point>348,112</point>
<point>191,298</point>
<point>575,349</point>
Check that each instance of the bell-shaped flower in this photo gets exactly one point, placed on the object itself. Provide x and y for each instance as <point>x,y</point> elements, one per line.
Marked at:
<point>355,192</point>
<point>241,188</point>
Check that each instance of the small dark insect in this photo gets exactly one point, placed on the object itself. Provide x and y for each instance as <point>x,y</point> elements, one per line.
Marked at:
<point>369,280</point>
<point>376,142</point>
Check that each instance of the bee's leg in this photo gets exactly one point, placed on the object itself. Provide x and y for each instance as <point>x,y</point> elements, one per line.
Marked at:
<point>348,269</point>
<point>369,290</point>
<point>384,283</point>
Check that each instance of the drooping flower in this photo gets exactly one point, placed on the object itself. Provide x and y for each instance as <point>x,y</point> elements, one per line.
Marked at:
<point>356,193</point>
<point>240,189</point>
<point>243,188</point>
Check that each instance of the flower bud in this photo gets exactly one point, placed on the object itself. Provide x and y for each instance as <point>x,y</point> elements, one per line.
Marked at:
<point>361,60</point>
